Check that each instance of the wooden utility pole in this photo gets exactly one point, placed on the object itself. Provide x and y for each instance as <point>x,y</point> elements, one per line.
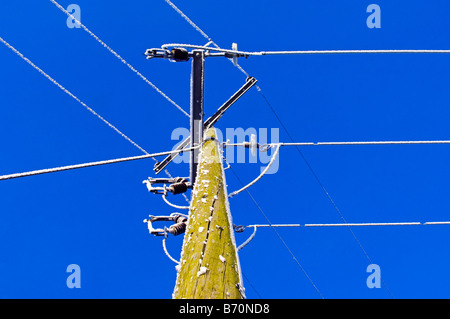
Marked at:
<point>209,264</point>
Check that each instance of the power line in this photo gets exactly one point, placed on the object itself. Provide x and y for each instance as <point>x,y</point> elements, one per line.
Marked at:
<point>241,228</point>
<point>251,285</point>
<point>173,205</point>
<point>309,52</point>
<point>316,177</point>
<point>91,164</point>
<point>82,103</point>
<point>305,52</point>
<point>278,146</point>
<point>71,95</point>
<point>274,156</point>
<point>352,224</point>
<point>120,58</point>
<point>279,236</point>
<point>429,142</point>
<point>85,106</point>
<point>284,127</point>
<point>189,21</point>
<point>307,163</point>
<point>365,143</point>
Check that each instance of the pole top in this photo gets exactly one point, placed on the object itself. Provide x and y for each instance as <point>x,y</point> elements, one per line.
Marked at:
<point>179,52</point>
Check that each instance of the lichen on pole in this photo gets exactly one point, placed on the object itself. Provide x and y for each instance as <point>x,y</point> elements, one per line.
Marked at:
<point>209,264</point>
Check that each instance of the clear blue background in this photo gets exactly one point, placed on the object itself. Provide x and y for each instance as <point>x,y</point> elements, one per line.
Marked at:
<point>93,217</point>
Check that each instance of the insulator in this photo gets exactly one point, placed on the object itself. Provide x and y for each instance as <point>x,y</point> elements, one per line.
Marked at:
<point>178,188</point>
<point>179,55</point>
<point>177,229</point>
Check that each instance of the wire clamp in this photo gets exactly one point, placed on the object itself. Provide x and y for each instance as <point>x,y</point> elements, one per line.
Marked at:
<point>238,228</point>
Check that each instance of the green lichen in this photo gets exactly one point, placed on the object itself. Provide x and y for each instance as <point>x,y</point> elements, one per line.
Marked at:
<point>209,265</point>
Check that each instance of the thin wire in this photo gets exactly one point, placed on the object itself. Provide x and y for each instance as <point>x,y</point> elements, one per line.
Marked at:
<point>348,143</point>
<point>83,104</point>
<point>254,201</point>
<point>120,58</point>
<point>256,226</point>
<point>91,164</point>
<point>210,41</point>
<point>284,127</point>
<point>279,236</point>
<point>276,115</point>
<point>365,143</point>
<point>347,52</point>
<point>173,205</point>
<point>251,285</point>
<point>245,243</point>
<point>301,52</point>
<point>316,177</point>
<point>352,224</point>
<point>274,156</point>
<point>71,95</point>
<point>167,252</point>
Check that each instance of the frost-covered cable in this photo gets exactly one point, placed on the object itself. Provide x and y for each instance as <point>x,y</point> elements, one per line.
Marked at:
<point>185,17</point>
<point>245,243</point>
<point>120,58</point>
<point>256,226</point>
<point>394,51</point>
<point>274,156</point>
<point>351,143</point>
<point>91,164</point>
<point>82,103</point>
<point>307,52</point>
<point>280,238</point>
<point>173,205</point>
<point>167,253</point>
<point>71,95</point>
<point>352,224</point>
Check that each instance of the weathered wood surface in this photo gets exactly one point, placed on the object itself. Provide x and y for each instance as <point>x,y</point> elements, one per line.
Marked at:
<point>209,265</point>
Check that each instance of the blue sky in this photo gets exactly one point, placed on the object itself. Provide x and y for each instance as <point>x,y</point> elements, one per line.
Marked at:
<point>93,217</point>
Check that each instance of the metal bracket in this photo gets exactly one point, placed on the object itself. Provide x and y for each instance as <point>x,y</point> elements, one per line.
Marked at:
<point>251,81</point>
<point>174,55</point>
